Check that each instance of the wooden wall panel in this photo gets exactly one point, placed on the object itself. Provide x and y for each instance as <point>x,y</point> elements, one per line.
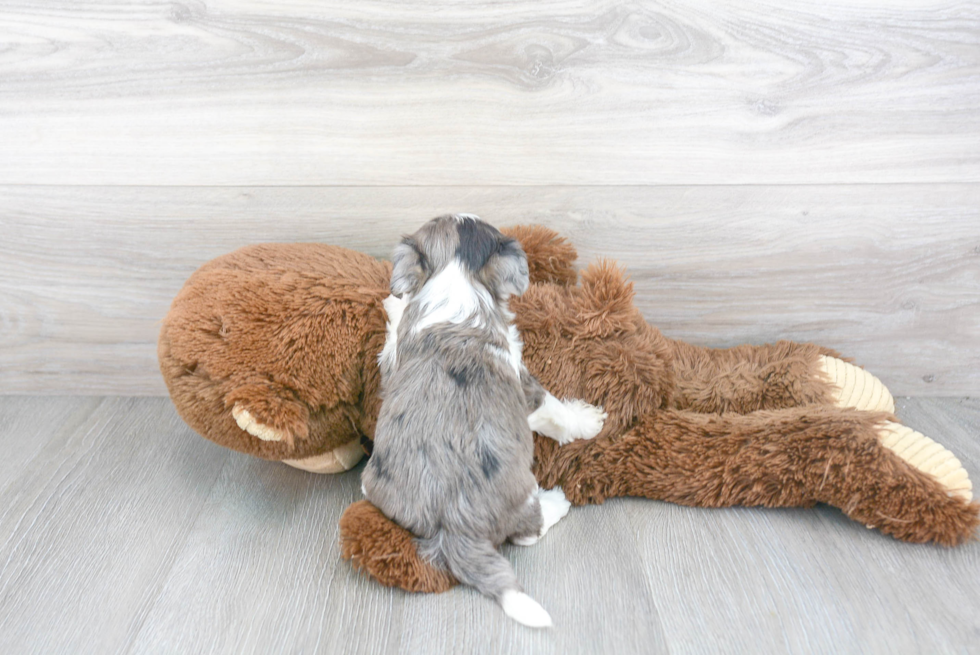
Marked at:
<point>525,92</point>
<point>888,274</point>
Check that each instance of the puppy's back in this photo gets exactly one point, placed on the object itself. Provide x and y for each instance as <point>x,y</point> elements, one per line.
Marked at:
<point>453,430</point>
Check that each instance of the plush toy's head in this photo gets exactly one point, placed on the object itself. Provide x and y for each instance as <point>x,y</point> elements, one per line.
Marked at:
<point>455,245</point>
<point>272,350</point>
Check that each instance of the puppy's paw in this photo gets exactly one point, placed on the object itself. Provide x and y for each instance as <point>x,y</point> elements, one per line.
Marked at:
<point>587,420</point>
<point>554,507</point>
<point>567,420</point>
<point>525,541</point>
<point>249,424</point>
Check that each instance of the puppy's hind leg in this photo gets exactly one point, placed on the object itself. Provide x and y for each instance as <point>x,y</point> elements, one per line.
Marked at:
<point>545,507</point>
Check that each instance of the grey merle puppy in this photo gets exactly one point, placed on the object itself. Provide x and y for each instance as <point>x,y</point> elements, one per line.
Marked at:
<point>453,445</point>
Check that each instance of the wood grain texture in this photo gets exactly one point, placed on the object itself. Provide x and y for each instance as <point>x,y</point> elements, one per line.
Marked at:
<point>888,274</point>
<point>92,523</point>
<point>384,92</point>
<point>805,580</point>
<point>126,533</point>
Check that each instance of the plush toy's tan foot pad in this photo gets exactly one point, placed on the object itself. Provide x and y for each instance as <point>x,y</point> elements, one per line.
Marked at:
<point>857,388</point>
<point>929,457</point>
<point>340,459</point>
<point>248,423</point>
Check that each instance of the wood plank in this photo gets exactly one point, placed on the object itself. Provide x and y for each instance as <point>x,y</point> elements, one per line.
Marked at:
<point>383,92</point>
<point>126,533</point>
<point>810,580</point>
<point>91,524</point>
<point>262,569</point>
<point>30,423</point>
<point>887,274</point>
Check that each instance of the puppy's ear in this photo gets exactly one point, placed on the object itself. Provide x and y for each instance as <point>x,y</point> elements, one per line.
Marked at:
<point>506,271</point>
<point>408,268</point>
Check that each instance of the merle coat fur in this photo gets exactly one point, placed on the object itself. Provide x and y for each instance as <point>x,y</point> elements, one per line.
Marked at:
<point>453,451</point>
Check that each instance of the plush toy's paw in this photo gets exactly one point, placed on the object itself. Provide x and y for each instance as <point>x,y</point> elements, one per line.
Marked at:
<point>248,423</point>
<point>928,456</point>
<point>340,459</point>
<point>855,387</point>
<point>567,420</point>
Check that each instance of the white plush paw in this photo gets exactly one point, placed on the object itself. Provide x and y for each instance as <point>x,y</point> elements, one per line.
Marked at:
<point>567,420</point>
<point>525,541</point>
<point>928,456</point>
<point>524,609</point>
<point>855,387</point>
<point>340,459</point>
<point>258,430</point>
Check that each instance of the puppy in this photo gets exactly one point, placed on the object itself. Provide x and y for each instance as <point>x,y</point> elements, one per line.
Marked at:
<point>453,446</point>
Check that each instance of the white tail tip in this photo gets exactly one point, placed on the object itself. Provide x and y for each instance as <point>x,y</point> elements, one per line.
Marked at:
<point>524,609</point>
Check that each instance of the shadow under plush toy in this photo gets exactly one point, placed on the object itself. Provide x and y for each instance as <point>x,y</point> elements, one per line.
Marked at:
<point>272,350</point>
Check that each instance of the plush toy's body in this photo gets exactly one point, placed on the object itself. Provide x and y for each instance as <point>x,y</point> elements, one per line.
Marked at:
<point>272,350</point>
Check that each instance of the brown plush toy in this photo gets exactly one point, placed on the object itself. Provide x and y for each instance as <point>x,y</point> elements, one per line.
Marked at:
<point>272,351</point>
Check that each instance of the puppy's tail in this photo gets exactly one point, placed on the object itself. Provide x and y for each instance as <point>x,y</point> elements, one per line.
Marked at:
<point>477,563</point>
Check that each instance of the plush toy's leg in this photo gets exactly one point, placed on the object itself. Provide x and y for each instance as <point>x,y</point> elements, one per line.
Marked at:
<point>774,376</point>
<point>785,458</point>
<point>748,378</point>
<point>382,549</point>
<point>855,387</point>
<point>927,456</point>
<point>877,472</point>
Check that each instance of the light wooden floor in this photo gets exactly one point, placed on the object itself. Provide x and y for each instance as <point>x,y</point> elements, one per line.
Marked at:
<point>121,531</point>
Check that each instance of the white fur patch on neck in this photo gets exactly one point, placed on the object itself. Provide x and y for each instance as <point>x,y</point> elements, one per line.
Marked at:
<point>514,354</point>
<point>395,308</point>
<point>515,348</point>
<point>450,297</point>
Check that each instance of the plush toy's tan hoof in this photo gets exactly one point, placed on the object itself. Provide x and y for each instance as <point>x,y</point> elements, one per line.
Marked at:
<point>929,457</point>
<point>248,423</point>
<point>855,387</point>
<point>340,459</point>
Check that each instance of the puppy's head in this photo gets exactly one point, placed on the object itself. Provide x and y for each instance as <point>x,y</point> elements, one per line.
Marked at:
<point>491,259</point>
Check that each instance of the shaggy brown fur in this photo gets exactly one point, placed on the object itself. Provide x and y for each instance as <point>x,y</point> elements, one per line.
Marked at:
<point>389,547</point>
<point>293,332</point>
